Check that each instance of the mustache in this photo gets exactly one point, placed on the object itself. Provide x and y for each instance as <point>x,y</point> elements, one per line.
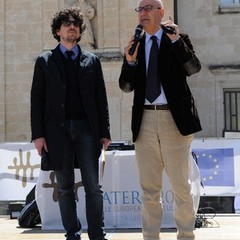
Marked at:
<point>72,30</point>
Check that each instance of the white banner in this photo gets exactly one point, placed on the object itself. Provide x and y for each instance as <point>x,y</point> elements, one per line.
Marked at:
<point>19,170</point>
<point>218,161</point>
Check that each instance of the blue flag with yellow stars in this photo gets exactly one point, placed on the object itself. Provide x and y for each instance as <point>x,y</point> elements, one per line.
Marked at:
<point>216,166</point>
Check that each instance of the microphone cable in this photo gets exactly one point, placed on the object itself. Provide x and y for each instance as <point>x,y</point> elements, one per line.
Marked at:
<point>205,218</point>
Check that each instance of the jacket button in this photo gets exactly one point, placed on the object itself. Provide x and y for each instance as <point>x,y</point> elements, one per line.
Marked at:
<point>64,87</point>
<point>62,105</point>
<point>62,124</point>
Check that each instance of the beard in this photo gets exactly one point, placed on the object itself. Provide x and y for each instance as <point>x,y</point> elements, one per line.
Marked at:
<point>71,37</point>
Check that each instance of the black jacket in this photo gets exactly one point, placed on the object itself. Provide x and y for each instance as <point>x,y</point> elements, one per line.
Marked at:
<point>176,62</point>
<point>48,95</point>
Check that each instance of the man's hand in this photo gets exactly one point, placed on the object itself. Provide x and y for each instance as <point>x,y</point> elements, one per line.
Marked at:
<point>131,58</point>
<point>169,22</point>
<point>106,142</point>
<point>39,144</point>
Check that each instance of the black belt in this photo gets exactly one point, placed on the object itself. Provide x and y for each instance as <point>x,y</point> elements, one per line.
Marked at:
<point>157,107</point>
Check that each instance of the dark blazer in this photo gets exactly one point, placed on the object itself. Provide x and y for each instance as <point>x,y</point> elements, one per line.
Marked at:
<point>48,94</point>
<point>176,62</point>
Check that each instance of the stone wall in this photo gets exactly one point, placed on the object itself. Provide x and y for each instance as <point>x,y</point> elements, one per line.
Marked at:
<point>215,35</point>
<point>25,33</point>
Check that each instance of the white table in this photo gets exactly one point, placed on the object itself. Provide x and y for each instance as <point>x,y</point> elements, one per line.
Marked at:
<point>20,172</point>
<point>122,201</point>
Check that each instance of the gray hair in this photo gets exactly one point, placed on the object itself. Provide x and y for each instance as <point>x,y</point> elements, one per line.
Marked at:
<point>157,1</point>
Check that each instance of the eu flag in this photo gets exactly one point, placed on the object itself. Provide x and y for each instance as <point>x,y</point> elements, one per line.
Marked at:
<point>216,166</point>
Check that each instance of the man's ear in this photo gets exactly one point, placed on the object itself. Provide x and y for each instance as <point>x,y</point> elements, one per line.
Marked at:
<point>162,12</point>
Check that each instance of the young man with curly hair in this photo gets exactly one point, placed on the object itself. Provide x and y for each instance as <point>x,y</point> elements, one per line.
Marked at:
<point>70,120</point>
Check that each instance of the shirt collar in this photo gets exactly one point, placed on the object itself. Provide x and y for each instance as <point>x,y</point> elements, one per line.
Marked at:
<point>158,34</point>
<point>74,49</point>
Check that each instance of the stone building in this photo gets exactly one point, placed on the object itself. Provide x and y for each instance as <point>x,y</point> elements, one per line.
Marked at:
<point>213,27</point>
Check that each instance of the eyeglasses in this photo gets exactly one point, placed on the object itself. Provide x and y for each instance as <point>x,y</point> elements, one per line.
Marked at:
<point>69,23</point>
<point>146,8</point>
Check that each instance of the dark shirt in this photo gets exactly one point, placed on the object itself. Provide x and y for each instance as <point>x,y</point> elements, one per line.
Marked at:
<point>73,106</point>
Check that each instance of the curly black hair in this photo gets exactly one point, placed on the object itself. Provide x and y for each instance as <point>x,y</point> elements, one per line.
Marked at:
<point>62,16</point>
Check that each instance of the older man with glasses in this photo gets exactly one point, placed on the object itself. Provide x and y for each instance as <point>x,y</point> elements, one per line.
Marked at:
<point>164,117</point>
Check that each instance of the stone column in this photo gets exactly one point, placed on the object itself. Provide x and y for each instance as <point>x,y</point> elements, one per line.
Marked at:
<point>2,72</point>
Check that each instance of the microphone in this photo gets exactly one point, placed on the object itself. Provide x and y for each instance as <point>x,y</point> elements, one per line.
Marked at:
<point>138,31</point>
<point>168,29</point>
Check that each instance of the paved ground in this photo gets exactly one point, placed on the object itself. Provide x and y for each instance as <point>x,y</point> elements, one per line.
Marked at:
<point>222,226</point>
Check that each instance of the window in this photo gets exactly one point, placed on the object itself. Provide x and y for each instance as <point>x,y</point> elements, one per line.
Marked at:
<point>232,110</point>
<point>229,6</point>
<point>229,3</point>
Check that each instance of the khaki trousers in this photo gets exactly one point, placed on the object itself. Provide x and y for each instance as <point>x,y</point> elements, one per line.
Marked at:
<point>161,146</point>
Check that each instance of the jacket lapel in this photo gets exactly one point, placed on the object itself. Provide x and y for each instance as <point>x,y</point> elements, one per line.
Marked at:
<point>141,57</point>
<point>82,61</point>
<point>164,49</point>
<point>163,56</point>
<point>57,58</point>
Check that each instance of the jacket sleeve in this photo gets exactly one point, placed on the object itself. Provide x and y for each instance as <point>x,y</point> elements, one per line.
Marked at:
<point>127,76</point>
<point>102,103</point>
<point>186,55</point>
<point>37,100</point>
